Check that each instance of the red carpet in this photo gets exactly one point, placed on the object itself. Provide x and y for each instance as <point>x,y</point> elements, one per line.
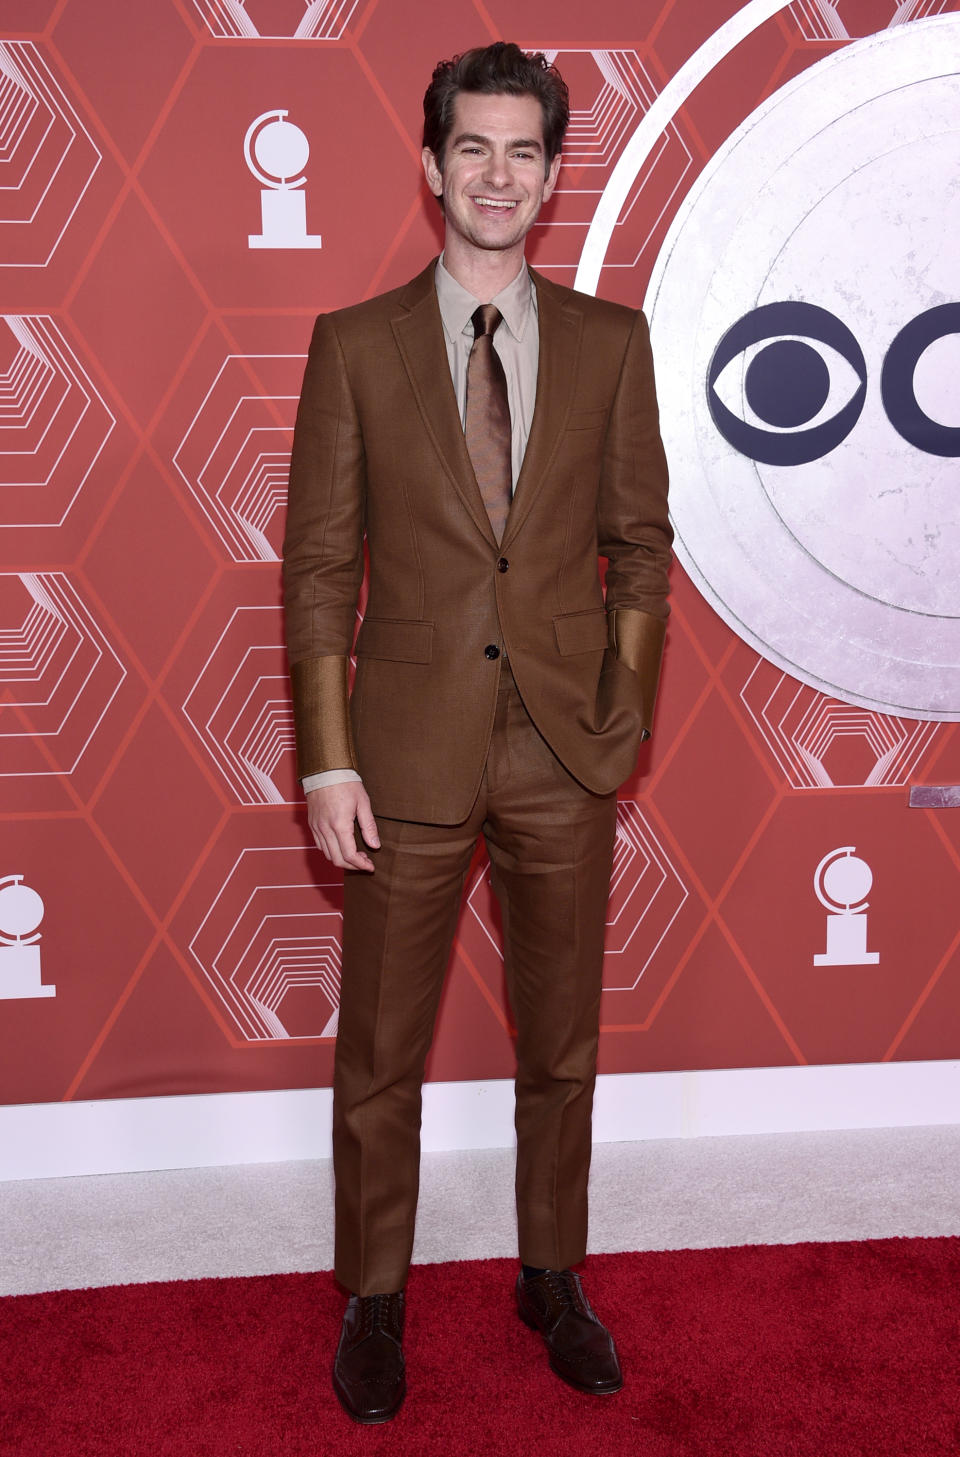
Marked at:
<point>831,1350</point>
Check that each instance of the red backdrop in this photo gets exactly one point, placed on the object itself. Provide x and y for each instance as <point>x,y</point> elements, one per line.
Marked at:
<point>151,360</point>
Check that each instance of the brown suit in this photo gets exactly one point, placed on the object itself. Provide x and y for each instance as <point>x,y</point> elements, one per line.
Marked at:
<point>379,449</point>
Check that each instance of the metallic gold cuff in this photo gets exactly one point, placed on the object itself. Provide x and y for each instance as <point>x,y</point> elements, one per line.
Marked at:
<point>321,715</point>
<point>637,638</point>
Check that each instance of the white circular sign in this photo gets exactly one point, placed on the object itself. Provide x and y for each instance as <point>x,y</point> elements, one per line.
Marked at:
<point>847,881</point>
<point>281,149</point>
<point>21,909</point>
<point>802,308</point>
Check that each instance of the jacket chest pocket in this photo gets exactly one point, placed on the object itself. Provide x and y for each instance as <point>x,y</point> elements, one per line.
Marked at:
<point>587,419</point>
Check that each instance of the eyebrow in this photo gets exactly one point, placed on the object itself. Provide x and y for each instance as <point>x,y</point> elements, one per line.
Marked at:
<point>529,142</point>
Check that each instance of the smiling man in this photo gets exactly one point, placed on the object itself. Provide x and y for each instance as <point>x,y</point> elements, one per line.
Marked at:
<point>491,435</point>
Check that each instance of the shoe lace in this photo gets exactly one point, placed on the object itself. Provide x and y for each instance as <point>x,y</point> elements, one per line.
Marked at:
<point>565,1288</point>
<point>379,1313</point>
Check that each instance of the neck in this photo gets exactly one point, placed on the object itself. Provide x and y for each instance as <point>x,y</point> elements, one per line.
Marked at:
<point>482,272</point>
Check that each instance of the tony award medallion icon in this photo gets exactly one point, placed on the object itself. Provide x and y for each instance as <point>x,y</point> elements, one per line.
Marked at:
<point>842,882</point>
<point>21,911</point>
<point>276,152</point>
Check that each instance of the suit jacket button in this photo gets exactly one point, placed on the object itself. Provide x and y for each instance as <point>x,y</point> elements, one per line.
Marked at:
<point>503,565</point>
<point>491,651</point>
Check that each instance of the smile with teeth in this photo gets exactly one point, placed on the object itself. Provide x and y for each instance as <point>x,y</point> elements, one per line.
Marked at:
<point>500,204</point>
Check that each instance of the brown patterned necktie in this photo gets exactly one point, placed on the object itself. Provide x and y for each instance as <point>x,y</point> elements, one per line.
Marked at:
<point>487,424</point>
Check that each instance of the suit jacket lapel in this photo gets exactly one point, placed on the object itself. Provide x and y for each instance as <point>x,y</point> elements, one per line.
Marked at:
<point>560,329</point>
<point>419,335</point>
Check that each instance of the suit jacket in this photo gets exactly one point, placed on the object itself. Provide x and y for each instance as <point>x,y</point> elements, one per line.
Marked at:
<point>379,451</point>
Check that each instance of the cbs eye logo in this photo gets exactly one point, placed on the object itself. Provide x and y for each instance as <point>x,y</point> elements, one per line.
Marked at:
<point>804,381</point>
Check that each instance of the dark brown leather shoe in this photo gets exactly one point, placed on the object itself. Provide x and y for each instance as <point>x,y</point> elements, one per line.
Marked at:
<point>368,1372</point>
<point>582,1352</point>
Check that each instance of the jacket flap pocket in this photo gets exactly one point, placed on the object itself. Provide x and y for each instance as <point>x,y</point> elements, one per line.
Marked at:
<point>400,642</point>
<point>581,632</point>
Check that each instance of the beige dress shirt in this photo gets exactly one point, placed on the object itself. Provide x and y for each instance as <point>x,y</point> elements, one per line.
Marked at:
<point>517,342</point>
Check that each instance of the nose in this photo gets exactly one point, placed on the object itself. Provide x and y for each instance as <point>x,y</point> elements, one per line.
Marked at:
<point>497,170</point>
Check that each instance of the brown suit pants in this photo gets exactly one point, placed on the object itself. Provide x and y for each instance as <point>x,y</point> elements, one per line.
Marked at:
<point>550,843</point>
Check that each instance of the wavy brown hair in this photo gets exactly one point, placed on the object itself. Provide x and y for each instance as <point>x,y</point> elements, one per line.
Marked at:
<point>498,69</point>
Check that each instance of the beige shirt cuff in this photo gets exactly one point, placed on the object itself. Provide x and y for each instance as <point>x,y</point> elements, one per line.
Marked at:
<point>330,776</point>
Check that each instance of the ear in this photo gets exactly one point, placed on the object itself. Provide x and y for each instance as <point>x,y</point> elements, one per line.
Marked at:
<point>432,172</point>
<point>551,181</point>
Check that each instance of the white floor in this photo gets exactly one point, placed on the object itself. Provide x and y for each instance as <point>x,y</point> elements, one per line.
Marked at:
<point>668,1194</point>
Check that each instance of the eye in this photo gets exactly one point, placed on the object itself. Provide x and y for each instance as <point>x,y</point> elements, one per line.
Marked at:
<point>787,383</point>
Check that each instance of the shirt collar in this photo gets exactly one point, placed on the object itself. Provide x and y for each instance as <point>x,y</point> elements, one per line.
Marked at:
<point>457,306</point>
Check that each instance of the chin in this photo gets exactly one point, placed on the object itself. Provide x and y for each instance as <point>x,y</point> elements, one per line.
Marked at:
<point>499,241</point>
<point>497,245</point>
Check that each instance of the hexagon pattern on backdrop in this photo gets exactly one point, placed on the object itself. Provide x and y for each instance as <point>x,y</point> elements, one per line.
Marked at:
<point>184,185</point>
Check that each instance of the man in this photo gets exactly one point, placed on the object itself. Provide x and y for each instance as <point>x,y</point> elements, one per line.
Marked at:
<point>490,433</point>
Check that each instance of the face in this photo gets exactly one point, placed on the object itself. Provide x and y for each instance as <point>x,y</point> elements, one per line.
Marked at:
<point>494,178</point>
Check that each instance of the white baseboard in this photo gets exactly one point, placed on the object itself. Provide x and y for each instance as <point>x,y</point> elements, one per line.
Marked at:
<point>48,1140</point>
